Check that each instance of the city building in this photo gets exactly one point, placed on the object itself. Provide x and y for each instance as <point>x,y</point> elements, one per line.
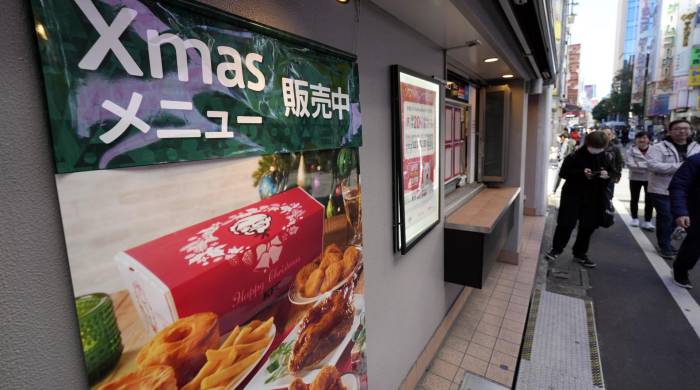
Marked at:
<point>573,82</point>
<point>663,83</point>
<point>562,13</point>
<point>626,33</point>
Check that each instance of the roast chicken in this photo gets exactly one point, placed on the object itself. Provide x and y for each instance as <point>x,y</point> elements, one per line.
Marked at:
<point>322,330</point>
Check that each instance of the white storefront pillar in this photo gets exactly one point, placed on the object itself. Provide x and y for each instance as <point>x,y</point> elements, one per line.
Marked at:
<point>539,138</point>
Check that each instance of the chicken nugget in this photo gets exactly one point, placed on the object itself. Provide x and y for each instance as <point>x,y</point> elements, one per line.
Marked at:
<point>351,257</point>
<point>303,275</point>
<point>334,273</point>
<point>298,384</point>
<point>313,283</point>
<point>327,379</point>
<point>332,248</point>
<point>330,258</point>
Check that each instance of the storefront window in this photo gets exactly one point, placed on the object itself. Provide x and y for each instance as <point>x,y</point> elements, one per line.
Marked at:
<point>495,133</point>
<point>455,142</point>
<point>459,156</point>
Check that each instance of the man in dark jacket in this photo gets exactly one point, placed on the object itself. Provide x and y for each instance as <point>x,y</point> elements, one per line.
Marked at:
<point>684,192</point>
<point>583,197</point>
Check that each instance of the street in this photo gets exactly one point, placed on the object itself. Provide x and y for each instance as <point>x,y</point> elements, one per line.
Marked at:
<point>647,328</point>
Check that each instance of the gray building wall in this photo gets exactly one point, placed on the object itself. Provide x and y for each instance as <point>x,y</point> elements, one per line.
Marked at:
<point>539,136</point>
<point>515,174</point>
<point>406,296</point>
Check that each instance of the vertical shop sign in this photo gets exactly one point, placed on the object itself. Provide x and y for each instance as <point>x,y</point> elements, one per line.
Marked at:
<point>643,62</point>
<point>659,105</point>
<point>417,180</point>
<point>206,274</point>
<point>694,74</point>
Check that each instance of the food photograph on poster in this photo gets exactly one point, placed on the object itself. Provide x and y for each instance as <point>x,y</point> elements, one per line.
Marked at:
<point>208,176</point>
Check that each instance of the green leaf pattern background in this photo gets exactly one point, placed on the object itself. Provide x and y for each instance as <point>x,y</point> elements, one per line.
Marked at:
<point>75,96</point>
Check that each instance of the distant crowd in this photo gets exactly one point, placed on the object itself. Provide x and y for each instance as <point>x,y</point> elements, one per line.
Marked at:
<point>665,165</point>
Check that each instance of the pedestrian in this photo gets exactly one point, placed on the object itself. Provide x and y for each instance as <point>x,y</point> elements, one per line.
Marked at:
<point>625,136</point>
<point>652,134</point>
<point>639,178</point>
<point>663,160</point>
<point>575,135</point>
<point>566,147</point>
<point>584,133</point>
<point>684,193</point>
<point>617,162</point>
<point>583,198</point>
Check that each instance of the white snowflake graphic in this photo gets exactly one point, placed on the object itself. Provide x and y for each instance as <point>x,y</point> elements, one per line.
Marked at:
<point>206,247</point>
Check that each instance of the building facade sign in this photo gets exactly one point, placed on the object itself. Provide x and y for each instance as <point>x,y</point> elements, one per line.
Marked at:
<point>694,75</point>
<point>643,62</point>
<point>572,84</point>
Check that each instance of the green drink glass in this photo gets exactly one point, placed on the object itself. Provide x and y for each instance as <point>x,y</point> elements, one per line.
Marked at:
<point>99,334</point>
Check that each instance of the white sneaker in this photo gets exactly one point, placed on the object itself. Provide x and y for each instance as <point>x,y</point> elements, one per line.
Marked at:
<point>648,226</point>
<point>635,222</point>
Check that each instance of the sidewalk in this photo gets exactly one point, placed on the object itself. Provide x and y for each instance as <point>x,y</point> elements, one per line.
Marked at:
<point>645,326</point>
<point>622,325</point>
<point>484,343</point>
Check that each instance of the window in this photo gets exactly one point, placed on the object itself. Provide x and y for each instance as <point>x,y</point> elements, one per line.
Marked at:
<point>494,140</point>
<point>455,140</point>
<point>459,131</point>
<point>460,137</point>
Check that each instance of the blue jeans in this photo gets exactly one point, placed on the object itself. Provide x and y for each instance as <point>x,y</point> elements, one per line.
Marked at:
<point>664,220</point>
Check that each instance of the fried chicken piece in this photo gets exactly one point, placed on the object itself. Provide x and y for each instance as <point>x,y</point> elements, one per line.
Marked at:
<point>303,275</point>
<point>327,379</point>
<point>351,257</point>
<point>323,328</point>
<point>313,283</point>
<point>333,275</point>
<point>330,258</point>
<point>332,248</point>
<point>298,384</point>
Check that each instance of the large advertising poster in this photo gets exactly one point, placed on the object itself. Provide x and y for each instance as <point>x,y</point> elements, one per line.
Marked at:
<point>643,61</point>
<point>209,185</point>
<point>418,164</point>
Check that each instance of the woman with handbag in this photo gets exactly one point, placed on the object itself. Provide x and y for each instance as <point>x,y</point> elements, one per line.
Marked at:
<point>584,201</point>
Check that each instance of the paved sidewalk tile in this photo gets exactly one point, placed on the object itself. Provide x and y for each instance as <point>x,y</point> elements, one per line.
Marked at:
<point>560,352</point>
<point>481,348</point>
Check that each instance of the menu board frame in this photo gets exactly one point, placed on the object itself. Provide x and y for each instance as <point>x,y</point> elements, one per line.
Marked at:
<point>407,232</point>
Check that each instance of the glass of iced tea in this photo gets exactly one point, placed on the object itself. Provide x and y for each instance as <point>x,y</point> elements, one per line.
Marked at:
<point>352,199</point>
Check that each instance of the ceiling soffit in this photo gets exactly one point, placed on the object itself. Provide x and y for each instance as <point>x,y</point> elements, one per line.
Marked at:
<point>450,24</point>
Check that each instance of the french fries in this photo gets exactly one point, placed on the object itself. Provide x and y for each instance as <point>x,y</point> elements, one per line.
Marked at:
<point>241,349</point>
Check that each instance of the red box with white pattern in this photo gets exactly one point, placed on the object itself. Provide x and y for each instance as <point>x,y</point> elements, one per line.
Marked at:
<point>233,265</point>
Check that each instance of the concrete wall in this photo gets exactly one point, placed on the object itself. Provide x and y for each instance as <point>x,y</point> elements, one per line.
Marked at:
<point>39,347</point>
<point>515,175</point>
<point>539,135</point>
<point>406,296</point>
